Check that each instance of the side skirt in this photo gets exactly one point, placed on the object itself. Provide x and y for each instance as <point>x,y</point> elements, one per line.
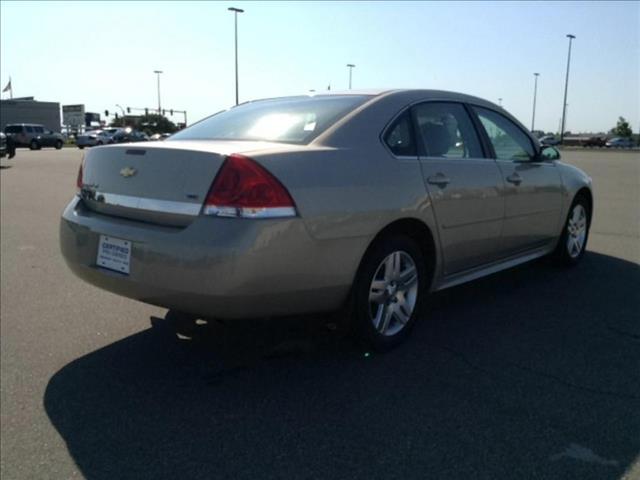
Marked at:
<point>490,269</point>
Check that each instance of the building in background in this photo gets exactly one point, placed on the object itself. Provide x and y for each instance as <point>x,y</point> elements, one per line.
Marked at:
<point>28,110</point>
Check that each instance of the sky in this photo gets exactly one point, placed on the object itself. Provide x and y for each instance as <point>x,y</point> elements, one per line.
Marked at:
<point>104,53</point>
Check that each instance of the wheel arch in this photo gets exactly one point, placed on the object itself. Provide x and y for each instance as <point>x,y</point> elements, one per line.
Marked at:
<point>415,229</point>
<point>586,193</point>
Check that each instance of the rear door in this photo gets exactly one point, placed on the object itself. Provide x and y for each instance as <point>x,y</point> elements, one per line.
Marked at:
<point>533,188</point>
<point>465,187</point>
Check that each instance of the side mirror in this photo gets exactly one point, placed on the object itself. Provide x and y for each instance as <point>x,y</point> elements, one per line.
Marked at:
<point>549,154</point>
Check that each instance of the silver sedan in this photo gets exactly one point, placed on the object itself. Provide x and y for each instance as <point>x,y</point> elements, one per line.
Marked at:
<point>363,201</point>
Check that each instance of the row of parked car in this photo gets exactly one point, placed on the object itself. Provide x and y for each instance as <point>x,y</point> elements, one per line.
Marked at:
<point>614,142</point>
<point>108,136</point>
<point>36,136</point>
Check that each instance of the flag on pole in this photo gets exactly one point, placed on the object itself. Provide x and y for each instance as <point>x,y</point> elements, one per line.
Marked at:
<point>8,88</point>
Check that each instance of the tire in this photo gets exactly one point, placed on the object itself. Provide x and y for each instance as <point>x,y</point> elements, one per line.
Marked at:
<point>575,233</point>
<point>34,145</point>
<point>389,288</point>
<point>99,143</point>
<point>183,324</point>
<point>81,147</point>
<point>58,144</point>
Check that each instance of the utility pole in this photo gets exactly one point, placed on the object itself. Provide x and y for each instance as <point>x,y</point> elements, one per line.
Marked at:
<point>350,66</point>
<point>236,11</point>
<point>535,91</point>
<point>158,72</point>
<point>566,86</point>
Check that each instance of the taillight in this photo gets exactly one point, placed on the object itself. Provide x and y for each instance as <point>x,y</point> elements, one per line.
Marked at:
<point>243,188</point>
<point>79,179</point>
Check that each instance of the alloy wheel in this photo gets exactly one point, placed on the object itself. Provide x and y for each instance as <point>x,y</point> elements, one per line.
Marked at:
<point>576,231</point>
<point>393,293</point>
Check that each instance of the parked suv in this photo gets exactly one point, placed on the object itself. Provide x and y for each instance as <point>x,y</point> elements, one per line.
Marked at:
<point>33,135</point>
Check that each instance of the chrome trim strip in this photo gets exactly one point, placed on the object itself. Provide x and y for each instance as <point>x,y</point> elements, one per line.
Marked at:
<point>483,271</point>
<point>234,212</point>
<point>141,203</point>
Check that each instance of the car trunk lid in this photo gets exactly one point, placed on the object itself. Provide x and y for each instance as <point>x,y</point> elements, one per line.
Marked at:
<point>165,183</point>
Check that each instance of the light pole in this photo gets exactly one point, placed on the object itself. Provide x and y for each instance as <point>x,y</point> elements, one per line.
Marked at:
<point>158,72</point>
<point>500,101</point>
<point>236,11</point>
<point>350,65</point>
<point>122,110</point>
<point>566,86</point>
<point>535,92</point>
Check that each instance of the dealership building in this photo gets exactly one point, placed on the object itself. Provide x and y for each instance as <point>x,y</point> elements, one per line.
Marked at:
<point>28,110</point>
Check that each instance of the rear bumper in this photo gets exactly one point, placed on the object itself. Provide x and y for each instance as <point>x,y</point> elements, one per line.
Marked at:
<point>216,267</point>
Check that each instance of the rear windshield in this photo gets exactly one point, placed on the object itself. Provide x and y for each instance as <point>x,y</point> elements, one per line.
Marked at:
<point>13,129</point>
<point>288,120</point>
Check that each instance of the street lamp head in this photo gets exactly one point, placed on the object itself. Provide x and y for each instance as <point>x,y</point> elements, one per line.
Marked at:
<point>237,10</point>
<point>157,71</point>
<point>350,65</point>
<point>570,36</point>
<point>536,74</point>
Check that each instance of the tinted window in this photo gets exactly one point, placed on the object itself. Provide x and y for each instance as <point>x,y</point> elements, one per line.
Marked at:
<point>447,131</point>
<point>13,129</point>
<point>290,120</point>
<point>38,129</point>
<point>399,137</point>
<point>509,142</point>
<point>29,129</point>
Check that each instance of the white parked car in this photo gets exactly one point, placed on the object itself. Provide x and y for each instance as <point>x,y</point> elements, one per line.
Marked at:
<point>96,137</point>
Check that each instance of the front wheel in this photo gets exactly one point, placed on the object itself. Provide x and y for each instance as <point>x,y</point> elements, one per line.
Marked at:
<point>573,241</point>
<point>58,144</point>
<point>388,290</point>
<point>34,145</point>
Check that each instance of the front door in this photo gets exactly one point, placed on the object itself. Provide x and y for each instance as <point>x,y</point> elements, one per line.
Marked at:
<point>533,188</point>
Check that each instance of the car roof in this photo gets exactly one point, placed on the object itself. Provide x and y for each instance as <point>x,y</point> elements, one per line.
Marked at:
<point>409,94</point>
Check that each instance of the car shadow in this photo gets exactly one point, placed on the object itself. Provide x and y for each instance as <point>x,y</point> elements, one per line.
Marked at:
<point>532,372</point>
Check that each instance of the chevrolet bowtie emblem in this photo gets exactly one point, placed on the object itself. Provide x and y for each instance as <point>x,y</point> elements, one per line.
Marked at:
<point>128,172</point>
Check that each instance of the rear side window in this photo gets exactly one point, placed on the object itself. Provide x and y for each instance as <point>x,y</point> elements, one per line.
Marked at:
<point>288,120</point>
<point>447,131</point>
<point>38,129</point>
<point>399,137</point>
<point>28,129</point>
<point>508,140</point>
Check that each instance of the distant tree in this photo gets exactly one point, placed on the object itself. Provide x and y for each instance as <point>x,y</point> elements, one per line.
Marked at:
<point>154,123</point>
<point>622,128</point>
<point>150,124</point>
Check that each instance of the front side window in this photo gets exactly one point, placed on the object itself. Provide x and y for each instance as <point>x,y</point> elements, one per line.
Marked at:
<point>399,137</point>
<point>447,131</point>
<point>509,142</point>
<point>288,120</point>
<point>29,129</point>
<point>38,129</point>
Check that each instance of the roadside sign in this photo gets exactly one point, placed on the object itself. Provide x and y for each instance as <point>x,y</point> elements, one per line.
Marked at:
<point>73,115</point>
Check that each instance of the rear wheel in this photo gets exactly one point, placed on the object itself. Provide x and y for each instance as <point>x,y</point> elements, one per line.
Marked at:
<point>573,241</point>
<point>184,324</point>
<point>387,293</point>
<point>81,147</point>
<point>34,145</point>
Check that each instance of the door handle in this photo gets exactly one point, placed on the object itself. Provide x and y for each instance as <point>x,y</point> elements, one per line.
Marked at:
<point>439,179</point>
<point>515,179</point>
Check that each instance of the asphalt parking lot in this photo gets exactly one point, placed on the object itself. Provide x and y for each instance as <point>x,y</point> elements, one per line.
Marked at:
<point>532,373</point>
